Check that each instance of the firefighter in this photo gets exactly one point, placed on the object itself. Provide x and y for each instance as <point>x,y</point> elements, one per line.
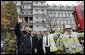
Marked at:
<point>57,38</point>
<point>70,41</point>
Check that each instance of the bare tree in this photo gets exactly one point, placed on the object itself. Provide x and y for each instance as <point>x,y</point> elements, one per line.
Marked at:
<point>49,22</point>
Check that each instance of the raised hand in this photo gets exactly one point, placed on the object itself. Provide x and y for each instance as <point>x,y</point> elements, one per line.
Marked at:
<point>20,20</point>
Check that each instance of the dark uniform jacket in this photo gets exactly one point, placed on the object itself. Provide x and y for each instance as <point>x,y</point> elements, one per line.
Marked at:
<point>23,41</point>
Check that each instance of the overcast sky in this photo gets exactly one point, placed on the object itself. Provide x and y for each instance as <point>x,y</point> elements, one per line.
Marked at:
<point>70,3</point>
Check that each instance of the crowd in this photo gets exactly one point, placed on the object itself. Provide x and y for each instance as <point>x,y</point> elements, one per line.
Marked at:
<point>54,42</point>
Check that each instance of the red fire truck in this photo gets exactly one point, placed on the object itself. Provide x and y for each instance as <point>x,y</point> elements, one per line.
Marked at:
<point>79,20</point>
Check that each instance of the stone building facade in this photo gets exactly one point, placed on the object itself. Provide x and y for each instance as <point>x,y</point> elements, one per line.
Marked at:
<point>34,12</point>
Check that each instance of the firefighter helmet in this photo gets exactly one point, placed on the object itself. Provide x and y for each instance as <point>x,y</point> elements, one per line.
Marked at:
<point>67,26</point>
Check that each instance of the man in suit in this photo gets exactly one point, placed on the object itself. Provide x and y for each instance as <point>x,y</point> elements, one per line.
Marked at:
<point>49,46</point>
<point>38,42</point>
<point>23,39</point>
<point>46,43</point>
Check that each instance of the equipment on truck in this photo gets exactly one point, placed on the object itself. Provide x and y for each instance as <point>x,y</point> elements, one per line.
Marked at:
<point>79,20</point>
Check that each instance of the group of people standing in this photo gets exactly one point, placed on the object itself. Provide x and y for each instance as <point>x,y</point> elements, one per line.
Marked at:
<point>27,41</point>
<point>30,42</point>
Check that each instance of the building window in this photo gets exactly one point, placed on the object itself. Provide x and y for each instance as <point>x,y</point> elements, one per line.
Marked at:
<point>30,12</point>
<point>31,18</point>
<point>68,7</point>
<point>62,14</point>
<point>50,13</point>
<point>67,21</point>
<point>36,2</point>
<point>26,12</point>
<point>31,26</point>
<point>62,6</point>
<point>26,19</point>
<point>26,5</point>
<point>22,12</point>
<point>37,26</point>
<point>23,6</point>
<point>42,10</point>
<point>65,14</point>
<point>69,14</point>
<point>43,17</point>
<point>54,13</point>
<point>70,21</point>
<point>16,2</point>
<point>37,21</point>
<point>58,14</point>
<point>37,17</point>
<point>41,2</point>
<point>36,9</point>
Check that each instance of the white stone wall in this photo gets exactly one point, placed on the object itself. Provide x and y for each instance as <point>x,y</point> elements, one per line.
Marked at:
<point>39,3</point>
<point>40,10</point>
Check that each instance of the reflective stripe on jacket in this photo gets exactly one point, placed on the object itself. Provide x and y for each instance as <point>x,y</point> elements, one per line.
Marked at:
<point>53,47</point>
<point>57,37</point>
<point>71,43</point>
